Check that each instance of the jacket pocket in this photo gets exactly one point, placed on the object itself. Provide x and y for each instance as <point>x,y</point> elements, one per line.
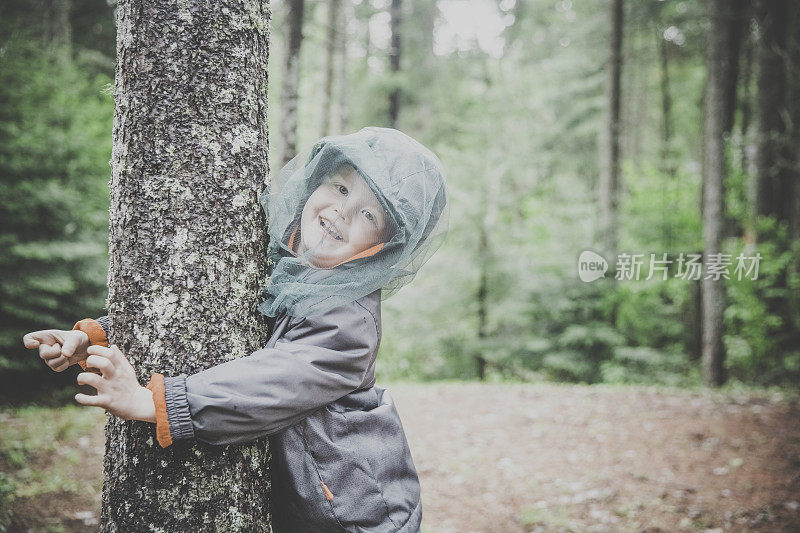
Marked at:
<point>366,473</point>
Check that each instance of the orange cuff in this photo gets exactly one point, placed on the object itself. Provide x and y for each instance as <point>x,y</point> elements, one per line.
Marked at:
<point>162,421</point>
<point>97,335</point>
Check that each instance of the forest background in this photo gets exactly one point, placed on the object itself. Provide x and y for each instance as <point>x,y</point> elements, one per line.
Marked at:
<point>628,130</point>
<point>515,99</point>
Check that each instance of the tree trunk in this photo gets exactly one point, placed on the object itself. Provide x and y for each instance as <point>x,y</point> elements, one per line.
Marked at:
<point>488,220</point>
<point>666,106</point>
<point>738,20</point>
<point>291,80</point>
<point>732,226</point>
<point>747,146</point>
<point>667,157</point>
<point>483,250</point>
<point>334,6</point>
<point>609,179</point>
<point>694,321</point>
<point>342,117</point>
<point>57,30</point>
<point>394,62</point>
<point>793,202</point>
<point>771,158</point>
<point>746,105</point>
<point>187,249</point>
<point>717,109</point>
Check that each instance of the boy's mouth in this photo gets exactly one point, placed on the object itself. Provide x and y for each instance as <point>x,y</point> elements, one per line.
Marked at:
<point>330,229</point>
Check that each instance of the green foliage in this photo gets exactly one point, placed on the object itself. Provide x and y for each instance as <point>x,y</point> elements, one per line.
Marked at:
<point>7,486</point>
<point>584,341</point>
<point>55,144</point>
<point>763,315</point>
<point>569,366</point>
<point>644,365</point>
<point>660,211</point>
<point>573,316</point>
<point>652,314</point>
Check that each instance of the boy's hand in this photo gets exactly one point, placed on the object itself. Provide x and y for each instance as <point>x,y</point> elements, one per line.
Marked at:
<point>58,348</point>
<point>118,390</point>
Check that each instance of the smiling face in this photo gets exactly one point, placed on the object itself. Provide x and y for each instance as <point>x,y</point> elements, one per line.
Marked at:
<point>341,218</point>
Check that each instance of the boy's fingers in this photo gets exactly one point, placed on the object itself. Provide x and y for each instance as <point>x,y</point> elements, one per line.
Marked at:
<point>60,367</point>
<point>71,344</point>
<point>44,336</point>
<point>48,351</point>
<point>116,354</point>
<point>86,399</point>
<point>29,341</point>
<point>96,349</point>
<point>91,379</point>
<point>98,361</point>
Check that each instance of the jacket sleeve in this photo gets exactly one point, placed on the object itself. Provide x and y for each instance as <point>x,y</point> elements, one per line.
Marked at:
<point>97,330</point>
<point>315,362</point>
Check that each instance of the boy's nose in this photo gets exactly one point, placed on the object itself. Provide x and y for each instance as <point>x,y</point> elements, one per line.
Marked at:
<point>343,212</point>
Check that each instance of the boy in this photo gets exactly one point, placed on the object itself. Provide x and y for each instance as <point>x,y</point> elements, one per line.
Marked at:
<point>349,225</point>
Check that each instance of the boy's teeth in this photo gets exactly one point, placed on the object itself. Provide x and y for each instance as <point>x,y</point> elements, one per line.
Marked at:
<point>329,229</point>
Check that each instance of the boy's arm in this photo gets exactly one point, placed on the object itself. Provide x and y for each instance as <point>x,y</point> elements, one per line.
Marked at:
<point>317,361</point>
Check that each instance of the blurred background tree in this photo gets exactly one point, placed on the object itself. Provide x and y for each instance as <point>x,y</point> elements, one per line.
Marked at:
<point>512,95</point>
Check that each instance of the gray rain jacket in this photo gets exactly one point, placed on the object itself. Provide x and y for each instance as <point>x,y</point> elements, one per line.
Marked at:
<point>341,461</point>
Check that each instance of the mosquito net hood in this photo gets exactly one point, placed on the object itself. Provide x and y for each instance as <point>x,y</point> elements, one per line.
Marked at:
<point>353,214</point>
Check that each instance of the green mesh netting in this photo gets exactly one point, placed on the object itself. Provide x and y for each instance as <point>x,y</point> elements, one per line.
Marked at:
<point>353,214</point>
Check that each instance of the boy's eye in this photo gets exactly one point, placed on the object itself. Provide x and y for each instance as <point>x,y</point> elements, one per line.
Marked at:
<point>369,216</point>
<point>342,189</point>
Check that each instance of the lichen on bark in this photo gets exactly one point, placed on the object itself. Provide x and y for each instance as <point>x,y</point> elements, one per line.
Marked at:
<point>187,249</point>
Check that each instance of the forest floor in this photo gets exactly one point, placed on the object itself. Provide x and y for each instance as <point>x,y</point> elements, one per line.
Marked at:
<point>501,458</point>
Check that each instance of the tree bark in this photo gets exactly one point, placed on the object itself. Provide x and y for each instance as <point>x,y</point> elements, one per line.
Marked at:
<point>717,109</point>
<point>187,249</point>
<point>609,179</point>
<point>394,62</point>
<point>291,80</point>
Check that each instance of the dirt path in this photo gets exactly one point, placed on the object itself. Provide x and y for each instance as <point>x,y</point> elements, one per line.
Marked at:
<point>542,458</point>
<point>522,458</point>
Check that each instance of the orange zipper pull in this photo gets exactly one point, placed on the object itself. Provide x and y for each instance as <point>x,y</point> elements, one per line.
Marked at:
<point>328,493</point>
